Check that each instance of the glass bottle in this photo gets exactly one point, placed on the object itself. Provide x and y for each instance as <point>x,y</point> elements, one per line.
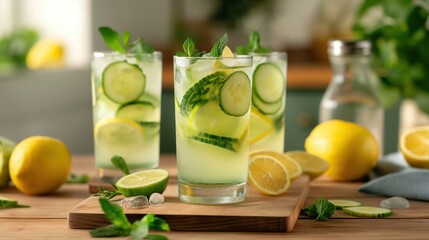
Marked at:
<point>352,95</point>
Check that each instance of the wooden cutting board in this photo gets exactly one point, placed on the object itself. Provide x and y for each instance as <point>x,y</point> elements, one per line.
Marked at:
<point>258,213</point>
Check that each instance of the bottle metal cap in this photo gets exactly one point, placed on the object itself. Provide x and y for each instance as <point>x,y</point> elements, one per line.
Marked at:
<point>349,47</point>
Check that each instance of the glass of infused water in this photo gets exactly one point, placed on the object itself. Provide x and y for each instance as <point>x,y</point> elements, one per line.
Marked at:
<point>268,101</point>
<point>126,97</point>
<point>212,110</point>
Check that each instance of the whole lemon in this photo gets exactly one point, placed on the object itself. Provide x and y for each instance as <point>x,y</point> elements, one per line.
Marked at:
<point>350,149</point>
<point>39,165</point>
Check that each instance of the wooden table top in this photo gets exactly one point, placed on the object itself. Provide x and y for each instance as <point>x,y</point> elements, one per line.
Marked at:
<point>47,217</point>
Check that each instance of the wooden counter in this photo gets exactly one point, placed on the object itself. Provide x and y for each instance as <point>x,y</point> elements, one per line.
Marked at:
<point>47,217</point>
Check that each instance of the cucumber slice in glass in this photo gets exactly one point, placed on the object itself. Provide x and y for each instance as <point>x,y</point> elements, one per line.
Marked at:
<point>368,212</point>
<point>123,82</point>
<point>137,111</point>
<point>235,94</point>
<point>266,108</point>
<point>268,83</point>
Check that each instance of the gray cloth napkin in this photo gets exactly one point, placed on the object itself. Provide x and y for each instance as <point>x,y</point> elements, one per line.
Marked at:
<point>394,177</point>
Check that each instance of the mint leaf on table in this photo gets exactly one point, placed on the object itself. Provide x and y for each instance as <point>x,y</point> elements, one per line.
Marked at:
<point>121,226</point>
<point>114,213</point>
<point>253,46</point>
<point>9,203</point>
<point>76,179</point>
<point>218,47</point>
<point>120,163</point>
<point>106,193</point>
<point>156,223</point>
<point>322,209</point>
<point>110,231</point>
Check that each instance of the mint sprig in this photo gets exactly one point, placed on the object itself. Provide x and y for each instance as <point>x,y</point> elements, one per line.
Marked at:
<point>218,47</point>
<point>9,203</point>
<point>322,209</point>
<point>189,49</point>
<point>122,227</point>
<point>122,43</point>
<point>253,46</point>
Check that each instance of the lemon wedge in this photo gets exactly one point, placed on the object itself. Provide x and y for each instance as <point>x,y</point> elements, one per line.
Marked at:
<point>414,145</point>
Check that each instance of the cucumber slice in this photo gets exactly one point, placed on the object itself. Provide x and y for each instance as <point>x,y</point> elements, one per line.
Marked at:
<point>370,212</point>
<point>268,82</point>
<point>234,94</point>
<point>266,108</point>
<point>137,111</point>
<point>123,82</point>
<point>202,92</point>
<point>341,203</point>
<point>219,141</point>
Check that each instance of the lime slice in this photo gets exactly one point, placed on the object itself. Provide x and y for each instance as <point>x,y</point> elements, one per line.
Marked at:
<point>118,133</point>
<point>6,147</point>
<point>123,82</point>
<point>143,182</point>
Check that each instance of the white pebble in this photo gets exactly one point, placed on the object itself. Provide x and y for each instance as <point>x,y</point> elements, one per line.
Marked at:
<point>156,199</point>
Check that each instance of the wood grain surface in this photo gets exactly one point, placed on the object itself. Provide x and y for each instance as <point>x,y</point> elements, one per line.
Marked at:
<point>258,213</point>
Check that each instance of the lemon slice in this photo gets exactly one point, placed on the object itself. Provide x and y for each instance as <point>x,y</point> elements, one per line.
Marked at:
<point>311,165</point>
<point>262,126</point>
<point>414,145</point>
<point>118,133</point>
<point>143,182</point>
<point>293,168</point>
<point>268,175</point>
<point>226,52</point>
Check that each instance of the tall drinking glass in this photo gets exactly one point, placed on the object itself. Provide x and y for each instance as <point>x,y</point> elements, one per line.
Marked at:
<point>126,91</point>
<point>212,102</point>
<point>268,101</point>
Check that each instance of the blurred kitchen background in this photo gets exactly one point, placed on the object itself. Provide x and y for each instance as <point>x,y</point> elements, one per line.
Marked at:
<point>50,94</point>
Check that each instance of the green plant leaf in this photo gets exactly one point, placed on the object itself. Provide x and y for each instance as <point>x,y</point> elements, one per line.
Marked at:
<point>120,163</point>
<point>126,38</point>
<point>156,237</point>
<point>189,47</point>
<point>218,47</point>
<point>396,9</point>
<point>110,231</point>
<point>156,223</point>
<point>111,38</point>
<point>139,230</point>
<point>365,6</point>
<point>322,209</point>
<point>114,213</point>
<point>77,179</point>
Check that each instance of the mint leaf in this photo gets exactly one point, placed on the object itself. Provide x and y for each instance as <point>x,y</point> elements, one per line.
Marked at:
<point>76,179</point>
<point>253,46</point>
<point>218,47</point>
<point>156,237</point>
<point>111,38</point>
<point>115,214</point>
<point>189,46</point>
<point>126,38</point>
<point>156,223</point>
<point>105,193</point>
<point>139,230</point>
<point>322,209</point>
<point>110,231</point>
<point>9,203</point>
<point>120,163</point>
<point>139,47</point>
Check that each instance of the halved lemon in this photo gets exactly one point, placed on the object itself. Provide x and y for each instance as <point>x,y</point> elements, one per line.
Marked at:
<point>414,145</point>
<point>311,165</point>
<point>118,133</point>
<point>268,175</point>
<point>293,168</point>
